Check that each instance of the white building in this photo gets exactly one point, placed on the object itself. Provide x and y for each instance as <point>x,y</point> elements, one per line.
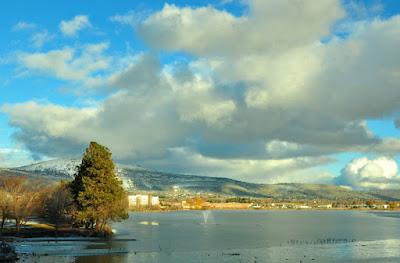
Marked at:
<point>302,207</point>
<point>155,201</point>
<point>143,200</point>
<point>328,206</point>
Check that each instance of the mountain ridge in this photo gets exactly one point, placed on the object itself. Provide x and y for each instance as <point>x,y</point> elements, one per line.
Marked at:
<point>139,179</point>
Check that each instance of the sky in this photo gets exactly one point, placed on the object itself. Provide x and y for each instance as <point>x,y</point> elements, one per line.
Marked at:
<point>264,91</point>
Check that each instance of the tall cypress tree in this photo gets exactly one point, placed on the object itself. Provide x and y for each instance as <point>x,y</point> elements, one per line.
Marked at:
<point>97,192</point>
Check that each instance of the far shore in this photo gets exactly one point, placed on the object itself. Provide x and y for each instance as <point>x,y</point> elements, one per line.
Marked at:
<point>265,209</point>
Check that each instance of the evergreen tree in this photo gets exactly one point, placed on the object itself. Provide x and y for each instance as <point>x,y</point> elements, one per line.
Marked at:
<point>96,190</point>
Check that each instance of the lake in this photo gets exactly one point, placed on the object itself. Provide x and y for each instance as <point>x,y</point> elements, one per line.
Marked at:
<point>238,236</point>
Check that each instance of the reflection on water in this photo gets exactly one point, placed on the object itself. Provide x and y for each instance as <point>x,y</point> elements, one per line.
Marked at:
<point>149,223</point>
<point>102,259</point>
<point>246,236</point>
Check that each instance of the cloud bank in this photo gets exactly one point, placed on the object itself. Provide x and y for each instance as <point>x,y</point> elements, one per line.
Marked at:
<point>276,87</point>
<point>381,173</point>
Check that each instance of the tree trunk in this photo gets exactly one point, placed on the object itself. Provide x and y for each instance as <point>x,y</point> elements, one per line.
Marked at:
<point>17,224</point>
<point>97,225</point>
<point>3,220</point>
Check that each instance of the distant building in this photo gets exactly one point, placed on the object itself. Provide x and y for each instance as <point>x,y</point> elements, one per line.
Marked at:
<point>327,206</point>
<point>155,201</point>
<point>302,206</point>
<point>143,200</point>
<point>132,200</point>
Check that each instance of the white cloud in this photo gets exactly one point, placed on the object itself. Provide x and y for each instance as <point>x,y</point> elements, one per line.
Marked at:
<point>71,27</point>
<point>290,71</point>
<point>48,129</point>
<point>84,65</point>
<point>39,39</point>
<point>259,87</point>
<point>292,82</point>
<point>380,173</point>
<point>130,115</point>
<point>281,148</point>
<point>198,102</point>
<point>264,171</point>
<point>14,157</point>
<point>208,31</point>
<point>147,112</point>
<point>52,120</point>
<point>131,18</point>
<point>21,25</point>
<point>284,149</point>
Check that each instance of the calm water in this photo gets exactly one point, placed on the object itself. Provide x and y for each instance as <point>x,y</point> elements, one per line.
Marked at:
<point>239,236</point>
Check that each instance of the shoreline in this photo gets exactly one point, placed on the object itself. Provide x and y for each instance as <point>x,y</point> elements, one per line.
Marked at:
<point>309,251</point>
<point>265,209</point>
<point>46,231</point>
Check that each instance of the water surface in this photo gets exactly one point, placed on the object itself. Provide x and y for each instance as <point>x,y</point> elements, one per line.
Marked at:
<point>242,236</point>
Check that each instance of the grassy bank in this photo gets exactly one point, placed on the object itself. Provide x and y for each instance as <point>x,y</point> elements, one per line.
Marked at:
<point>47,230</point>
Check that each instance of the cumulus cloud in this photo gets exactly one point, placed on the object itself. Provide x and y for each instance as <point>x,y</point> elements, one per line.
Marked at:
<point>251,94</point>
<point>70,28</point>
<point>184,160</point>
<point>381,173</point>
<point>197,101</point>
<point>301,89</point>
<point>64,118</point>
<point>84,65</point>
<point>283,149</point>
<point>289,70</point>
<point>144,112</point>
<point>209,31</point>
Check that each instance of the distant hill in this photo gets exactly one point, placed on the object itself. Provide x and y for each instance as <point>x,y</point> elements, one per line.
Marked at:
<point>139,179</point>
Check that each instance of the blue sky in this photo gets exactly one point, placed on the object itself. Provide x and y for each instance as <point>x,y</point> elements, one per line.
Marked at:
<point>253,90</point>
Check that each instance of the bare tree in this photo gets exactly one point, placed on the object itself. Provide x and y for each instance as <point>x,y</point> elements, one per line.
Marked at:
<point>58,203</point>
<point>23,197</point>
<point>4,208</point>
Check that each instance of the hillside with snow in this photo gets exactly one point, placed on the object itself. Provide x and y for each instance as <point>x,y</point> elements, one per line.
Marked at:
<point>139,179</point>
<point>136,178</point>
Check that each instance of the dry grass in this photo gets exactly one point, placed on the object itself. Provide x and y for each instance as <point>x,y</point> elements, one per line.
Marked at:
<point>40,226</point>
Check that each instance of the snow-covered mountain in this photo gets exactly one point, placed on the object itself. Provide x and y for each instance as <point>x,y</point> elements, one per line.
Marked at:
<point>139,179</point>
<point>136,178</point>
<point>61,167</point>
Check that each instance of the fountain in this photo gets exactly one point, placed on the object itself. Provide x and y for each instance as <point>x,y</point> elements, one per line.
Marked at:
<point>208,218</point>
<point>206,214</point>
